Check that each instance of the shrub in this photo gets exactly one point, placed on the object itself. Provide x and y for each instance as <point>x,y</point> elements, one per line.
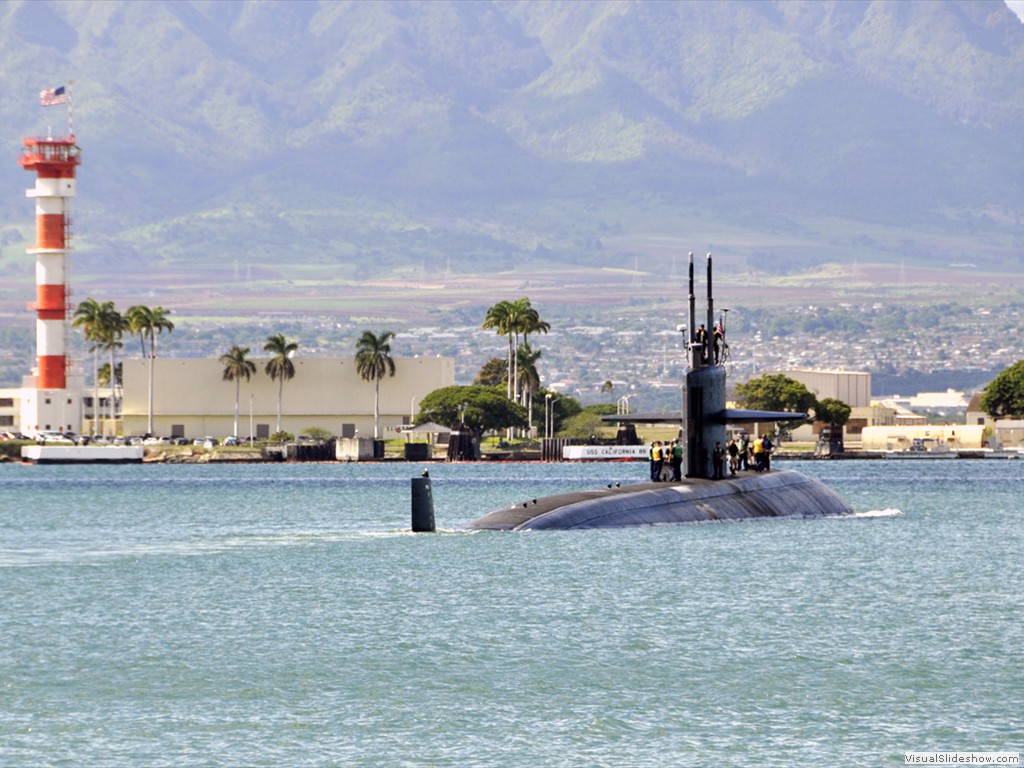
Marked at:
<point>317,433</point>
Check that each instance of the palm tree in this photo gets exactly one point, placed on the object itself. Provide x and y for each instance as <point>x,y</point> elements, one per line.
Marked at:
<point>529,379</point>
<point>373,361</point>
<point>517,321</point>
<point>510,318</point>
<point>532,322</point>
<point>110,328</point>
<point>238,367</point>
<point>87,317</point>
<point>528,376</point>
<point>136,318</point>
<point>499,317</point>
<point>280,367</point>
<point>146,323</point>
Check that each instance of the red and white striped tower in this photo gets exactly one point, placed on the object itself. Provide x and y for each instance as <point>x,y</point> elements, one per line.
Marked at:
<point>54,161</point>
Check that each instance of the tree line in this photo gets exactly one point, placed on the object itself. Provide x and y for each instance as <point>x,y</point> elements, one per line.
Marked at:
<point>514,319</point>
<point>504,391</point>
<point>482,407</point>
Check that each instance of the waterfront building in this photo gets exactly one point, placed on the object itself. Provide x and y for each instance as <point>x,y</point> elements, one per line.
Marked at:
<point>1008,433</point>
<point>901,437</point>
<point>192,399</point>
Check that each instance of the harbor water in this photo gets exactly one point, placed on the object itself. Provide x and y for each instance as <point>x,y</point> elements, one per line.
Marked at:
<point>284,615</point>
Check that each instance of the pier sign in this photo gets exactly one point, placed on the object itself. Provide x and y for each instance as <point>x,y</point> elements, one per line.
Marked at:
<point>604,452</point>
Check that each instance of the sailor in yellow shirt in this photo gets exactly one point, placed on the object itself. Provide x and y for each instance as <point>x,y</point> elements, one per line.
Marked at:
<point>657,461</point>
<point>758,447</point>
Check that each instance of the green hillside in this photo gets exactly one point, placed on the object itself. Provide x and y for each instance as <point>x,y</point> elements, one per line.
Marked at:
<point>256,146</point>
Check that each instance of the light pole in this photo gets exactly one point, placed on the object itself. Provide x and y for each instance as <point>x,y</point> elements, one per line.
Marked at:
<point>547,415</point>
<point>250,418</point>
<point>549,418</point>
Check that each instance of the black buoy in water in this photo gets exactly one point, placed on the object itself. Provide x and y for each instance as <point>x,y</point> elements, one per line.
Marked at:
<point>422,505</point>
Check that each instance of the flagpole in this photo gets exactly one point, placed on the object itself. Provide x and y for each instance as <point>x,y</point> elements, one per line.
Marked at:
<point>71,111</point>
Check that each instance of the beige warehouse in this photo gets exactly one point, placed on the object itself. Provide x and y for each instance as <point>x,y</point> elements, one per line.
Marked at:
<point>191,398</point>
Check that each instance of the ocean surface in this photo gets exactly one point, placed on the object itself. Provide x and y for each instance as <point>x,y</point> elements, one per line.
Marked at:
<point>283,615</point>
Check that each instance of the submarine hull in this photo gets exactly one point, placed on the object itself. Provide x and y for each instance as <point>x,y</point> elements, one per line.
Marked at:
<point>785,493</point>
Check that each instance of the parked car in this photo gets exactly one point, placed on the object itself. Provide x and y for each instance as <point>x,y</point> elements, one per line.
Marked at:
<point>232,440</point>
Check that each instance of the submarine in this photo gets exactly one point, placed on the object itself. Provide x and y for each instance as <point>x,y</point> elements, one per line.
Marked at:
<point>697,497</point>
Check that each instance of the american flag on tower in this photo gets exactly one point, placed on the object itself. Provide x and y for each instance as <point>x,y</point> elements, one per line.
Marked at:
<point>51,97</point>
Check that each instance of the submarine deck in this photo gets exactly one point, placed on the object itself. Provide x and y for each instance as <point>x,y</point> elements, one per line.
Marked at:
<point>748,495</point>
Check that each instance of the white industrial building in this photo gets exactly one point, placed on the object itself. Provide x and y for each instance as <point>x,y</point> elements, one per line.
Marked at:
<point>192,399</point>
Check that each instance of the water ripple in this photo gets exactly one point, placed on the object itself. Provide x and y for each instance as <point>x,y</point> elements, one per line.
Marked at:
<point>285,615</point>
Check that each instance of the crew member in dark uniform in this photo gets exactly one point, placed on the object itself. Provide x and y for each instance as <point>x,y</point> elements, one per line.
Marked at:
<point>701,337</point>
<point>719,458</point>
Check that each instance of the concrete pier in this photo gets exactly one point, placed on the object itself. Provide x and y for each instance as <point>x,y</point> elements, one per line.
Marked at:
<point>82,454</point>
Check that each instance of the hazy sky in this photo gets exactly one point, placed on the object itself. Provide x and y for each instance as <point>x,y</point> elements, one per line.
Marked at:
<point>1017,6</point>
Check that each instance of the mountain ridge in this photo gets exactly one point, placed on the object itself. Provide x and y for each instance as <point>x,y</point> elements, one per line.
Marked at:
<point>292,135</point>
